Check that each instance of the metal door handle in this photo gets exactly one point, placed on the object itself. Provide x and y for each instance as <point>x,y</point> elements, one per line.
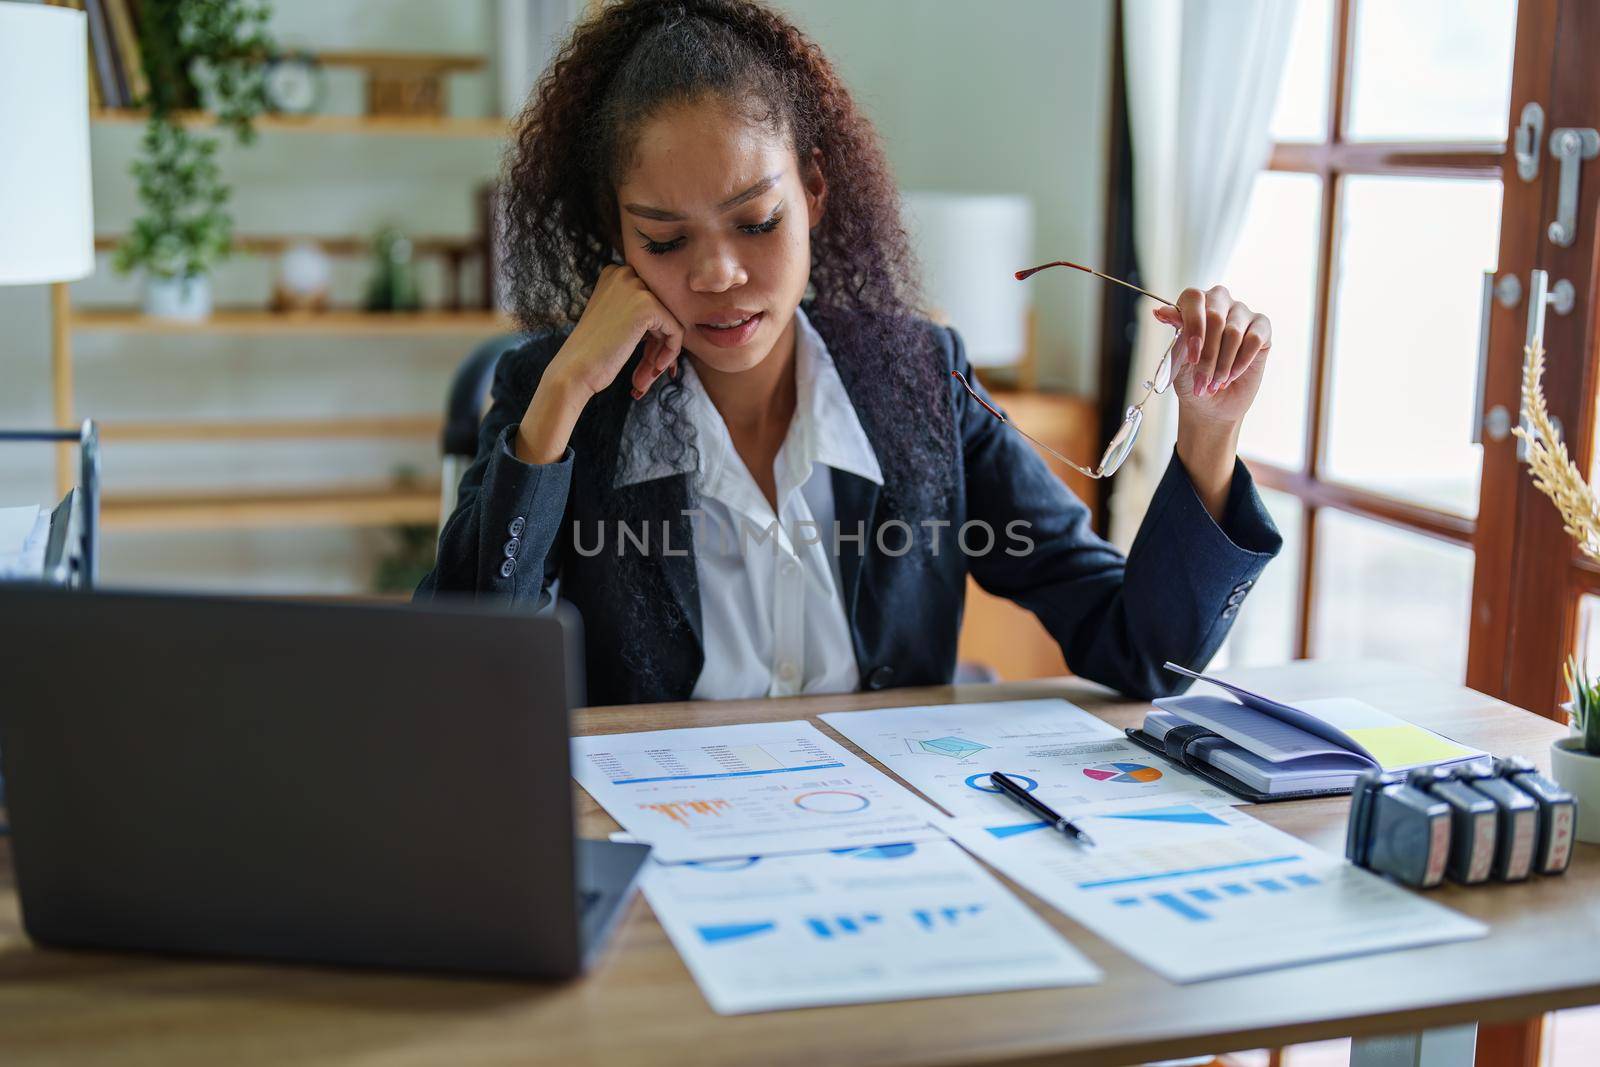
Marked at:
<point>1570,146</point>
<point>1541,294</point>
<point>1496,422</point>
<point>1485,305</point>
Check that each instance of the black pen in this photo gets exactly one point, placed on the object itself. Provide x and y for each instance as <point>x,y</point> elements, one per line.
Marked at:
<point>1039,808</point>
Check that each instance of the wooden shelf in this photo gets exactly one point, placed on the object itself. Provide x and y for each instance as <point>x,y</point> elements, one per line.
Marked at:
<point>255,321</point>
<point>330,124</point>
<point>379,504</point>
<point>403,426</point>
<point>436,62</point>
<point>264,245</point>
<point>357,505</point>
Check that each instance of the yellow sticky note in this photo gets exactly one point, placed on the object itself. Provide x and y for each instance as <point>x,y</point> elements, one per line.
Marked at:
<point>1405,745</point>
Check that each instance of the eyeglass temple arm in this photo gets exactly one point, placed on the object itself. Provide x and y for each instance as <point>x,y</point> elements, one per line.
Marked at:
<point>1024,274</point>
<point>997,413</point>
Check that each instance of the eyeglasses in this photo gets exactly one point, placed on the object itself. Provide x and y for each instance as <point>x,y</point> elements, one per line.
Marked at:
<point>1122,441</point>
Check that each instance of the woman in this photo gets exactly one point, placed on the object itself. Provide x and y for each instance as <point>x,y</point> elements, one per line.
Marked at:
<point>735,446</point>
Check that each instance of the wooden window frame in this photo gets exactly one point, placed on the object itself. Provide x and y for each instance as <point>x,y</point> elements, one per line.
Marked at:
<point>1332,160</point>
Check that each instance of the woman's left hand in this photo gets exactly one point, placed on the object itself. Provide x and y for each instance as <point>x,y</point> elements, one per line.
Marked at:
<point>1220,355</point>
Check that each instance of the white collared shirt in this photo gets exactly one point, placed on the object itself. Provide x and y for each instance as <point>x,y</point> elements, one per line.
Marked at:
<point>773,621</point>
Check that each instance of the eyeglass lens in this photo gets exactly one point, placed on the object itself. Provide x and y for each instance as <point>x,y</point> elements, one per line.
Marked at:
<point>1121,443</point>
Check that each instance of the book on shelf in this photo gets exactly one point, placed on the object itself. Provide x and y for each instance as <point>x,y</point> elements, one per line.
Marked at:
<point>116,67</point>
<point>124,18</point>
<point>105,53</point>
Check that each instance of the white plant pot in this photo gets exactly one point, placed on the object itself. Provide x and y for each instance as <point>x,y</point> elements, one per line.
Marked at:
<point>1579,774</point>
<point>185,299</point>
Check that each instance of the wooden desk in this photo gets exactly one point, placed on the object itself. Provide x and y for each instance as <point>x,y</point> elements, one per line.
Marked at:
<point>641,1007</point>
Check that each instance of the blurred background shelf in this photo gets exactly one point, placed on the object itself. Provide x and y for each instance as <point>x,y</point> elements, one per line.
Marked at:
<point>277,244</point>
<point>382,125</point>
<point>275,429</point>
<point>256,321</point>
<point>345,505</point>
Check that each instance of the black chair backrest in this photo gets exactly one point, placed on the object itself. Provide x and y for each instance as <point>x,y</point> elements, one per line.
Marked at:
<point>468,389</point>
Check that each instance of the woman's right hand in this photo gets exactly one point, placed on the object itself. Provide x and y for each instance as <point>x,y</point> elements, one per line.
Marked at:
<point>621,310</point>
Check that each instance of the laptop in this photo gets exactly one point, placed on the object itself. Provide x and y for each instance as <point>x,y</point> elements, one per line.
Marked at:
<point>377,785</point>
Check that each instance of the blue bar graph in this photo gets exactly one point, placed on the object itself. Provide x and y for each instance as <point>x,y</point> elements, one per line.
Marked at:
<point>1199,903</point>
<point>940,918</point>
<point>841,925</point>
<point>1181,906</point>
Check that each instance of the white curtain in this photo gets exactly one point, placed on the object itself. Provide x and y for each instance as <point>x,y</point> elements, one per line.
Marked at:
<point>1203,79</point>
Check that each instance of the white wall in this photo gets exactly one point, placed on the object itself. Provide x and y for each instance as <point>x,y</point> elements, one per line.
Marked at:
<point>1007,96</point>
<point>968,97</point>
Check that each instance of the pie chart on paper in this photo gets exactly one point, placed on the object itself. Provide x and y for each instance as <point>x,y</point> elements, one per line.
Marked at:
<point>1130,773</point>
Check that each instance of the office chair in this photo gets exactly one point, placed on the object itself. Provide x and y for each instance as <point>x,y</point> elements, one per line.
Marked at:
<point>463,411</point>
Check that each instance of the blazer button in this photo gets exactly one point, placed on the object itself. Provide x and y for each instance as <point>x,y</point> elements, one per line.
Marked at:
<point>880,678</point>
<point>1230,611</point>
<point>516,526</point>
<point>512,546</point>
<point>507,567</point>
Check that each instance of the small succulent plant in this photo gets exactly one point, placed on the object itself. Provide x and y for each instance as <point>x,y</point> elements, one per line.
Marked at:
<point>1585,705</point>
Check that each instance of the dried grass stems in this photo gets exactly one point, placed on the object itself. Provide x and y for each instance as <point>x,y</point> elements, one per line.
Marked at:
<point>1554,473</point>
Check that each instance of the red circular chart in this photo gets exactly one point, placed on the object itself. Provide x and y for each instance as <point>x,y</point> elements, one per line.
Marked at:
<point>1122,772</point>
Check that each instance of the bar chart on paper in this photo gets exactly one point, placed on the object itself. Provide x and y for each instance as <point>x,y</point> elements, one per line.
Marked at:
<point>752,789</point>
<point>1202,903</point>
<point>684,762</point>
<point>852,925</point>
<point>1198,892</point>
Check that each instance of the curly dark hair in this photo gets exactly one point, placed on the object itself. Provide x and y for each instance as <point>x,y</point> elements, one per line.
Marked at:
<point>573,144</point>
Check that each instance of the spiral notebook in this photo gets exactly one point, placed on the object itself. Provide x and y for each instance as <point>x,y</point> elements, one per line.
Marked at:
<point>1262,749</point>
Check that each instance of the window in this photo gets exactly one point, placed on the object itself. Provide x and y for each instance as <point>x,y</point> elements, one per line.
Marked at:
<point>1366,240</point>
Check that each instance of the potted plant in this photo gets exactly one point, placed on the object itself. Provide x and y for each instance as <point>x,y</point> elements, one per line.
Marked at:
<point>184,230</point>
<point>1575,759</point>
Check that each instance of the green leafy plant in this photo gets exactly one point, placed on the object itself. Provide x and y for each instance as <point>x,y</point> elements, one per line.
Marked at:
<point>184,229</point>
<point>1585,705</point>
<point>224,43</point>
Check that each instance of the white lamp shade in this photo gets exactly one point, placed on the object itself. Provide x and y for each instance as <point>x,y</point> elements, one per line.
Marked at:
<point>46,205</point>
<point>971,246</point>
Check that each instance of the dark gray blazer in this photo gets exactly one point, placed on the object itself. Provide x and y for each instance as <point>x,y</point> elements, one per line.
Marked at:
<point>1116,619</point>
